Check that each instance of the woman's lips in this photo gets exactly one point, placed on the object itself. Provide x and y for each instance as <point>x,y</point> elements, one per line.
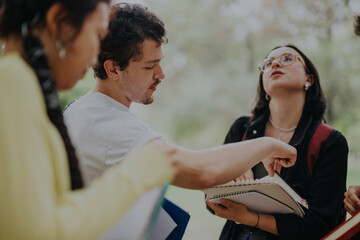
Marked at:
<point>276,73</point>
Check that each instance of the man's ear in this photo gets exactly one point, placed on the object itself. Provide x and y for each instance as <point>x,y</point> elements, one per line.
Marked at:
<point>54,16</point>
<point>111,69</point>
<point>310,79</point>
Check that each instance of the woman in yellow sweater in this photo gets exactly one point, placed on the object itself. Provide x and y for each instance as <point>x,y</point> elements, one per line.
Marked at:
<point>48,46</point>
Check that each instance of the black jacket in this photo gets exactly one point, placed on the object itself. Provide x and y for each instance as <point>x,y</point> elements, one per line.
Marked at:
<point>324,189</point>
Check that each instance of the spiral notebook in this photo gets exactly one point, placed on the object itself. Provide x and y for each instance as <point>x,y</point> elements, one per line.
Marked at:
<point>255,201</point>
<point>267,195</point>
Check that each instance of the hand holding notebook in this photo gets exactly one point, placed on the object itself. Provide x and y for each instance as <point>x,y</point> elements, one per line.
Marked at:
<point>255,201</point>
<point>266,195</point>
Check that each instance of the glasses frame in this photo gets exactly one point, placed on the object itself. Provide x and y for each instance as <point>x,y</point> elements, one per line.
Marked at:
<point>279,61</point>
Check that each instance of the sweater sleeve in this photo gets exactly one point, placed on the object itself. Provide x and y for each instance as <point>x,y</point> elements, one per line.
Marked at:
<point>325,196</point>
<point>36,201</point>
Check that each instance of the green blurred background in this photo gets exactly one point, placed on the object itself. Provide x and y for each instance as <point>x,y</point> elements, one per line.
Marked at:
<point>211,74</point>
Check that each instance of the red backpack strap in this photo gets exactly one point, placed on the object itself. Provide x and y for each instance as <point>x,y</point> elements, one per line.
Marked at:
<point>244,136</point>
<point>317,140</point>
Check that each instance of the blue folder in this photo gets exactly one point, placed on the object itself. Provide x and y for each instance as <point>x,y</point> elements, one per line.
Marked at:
<point>180,217</point>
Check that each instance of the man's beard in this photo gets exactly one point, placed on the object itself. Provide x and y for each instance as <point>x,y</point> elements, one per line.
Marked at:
<point>149,100</point>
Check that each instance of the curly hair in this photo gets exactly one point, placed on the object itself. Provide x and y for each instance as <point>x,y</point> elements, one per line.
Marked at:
<point>315,102</point>
<point>129,27</point>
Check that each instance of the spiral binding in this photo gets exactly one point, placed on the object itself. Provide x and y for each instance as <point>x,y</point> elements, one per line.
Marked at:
<point>229,195</point>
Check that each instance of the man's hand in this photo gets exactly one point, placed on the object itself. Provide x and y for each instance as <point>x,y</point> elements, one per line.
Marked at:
<point>352,201</point>
<point>248,175</point>
<point>284,155</point>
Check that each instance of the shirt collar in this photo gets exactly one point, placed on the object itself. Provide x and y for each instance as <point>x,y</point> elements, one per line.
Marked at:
<point>110,101</point>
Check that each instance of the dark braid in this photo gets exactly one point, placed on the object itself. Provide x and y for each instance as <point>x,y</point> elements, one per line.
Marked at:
<point>37,59</point>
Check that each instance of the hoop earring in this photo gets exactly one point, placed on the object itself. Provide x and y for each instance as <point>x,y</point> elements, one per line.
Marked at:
<point>267,97</point>
<point>61,49</point>
<point>306,87</point>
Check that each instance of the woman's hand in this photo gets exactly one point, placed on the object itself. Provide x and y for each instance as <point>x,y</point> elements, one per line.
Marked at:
<point>240,214</point>
<point>352,201</point>
<point>234,211</point>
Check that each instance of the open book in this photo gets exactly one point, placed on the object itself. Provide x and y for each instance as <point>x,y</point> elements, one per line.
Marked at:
<point>346,230</point>
<point>265,195</point>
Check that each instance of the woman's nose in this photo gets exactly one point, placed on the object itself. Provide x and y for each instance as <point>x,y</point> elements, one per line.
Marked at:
<point>276,63</point>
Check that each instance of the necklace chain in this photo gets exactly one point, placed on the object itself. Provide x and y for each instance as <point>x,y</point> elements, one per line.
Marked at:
<point>282,129</point>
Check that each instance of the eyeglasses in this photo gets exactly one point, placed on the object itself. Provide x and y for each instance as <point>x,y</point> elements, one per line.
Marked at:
<point>285,59</point>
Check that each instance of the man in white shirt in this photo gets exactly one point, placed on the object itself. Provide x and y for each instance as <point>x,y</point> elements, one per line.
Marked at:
<point>100,124</point>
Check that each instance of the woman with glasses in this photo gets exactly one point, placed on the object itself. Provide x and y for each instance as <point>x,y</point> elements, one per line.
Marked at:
<point>290,106</point>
